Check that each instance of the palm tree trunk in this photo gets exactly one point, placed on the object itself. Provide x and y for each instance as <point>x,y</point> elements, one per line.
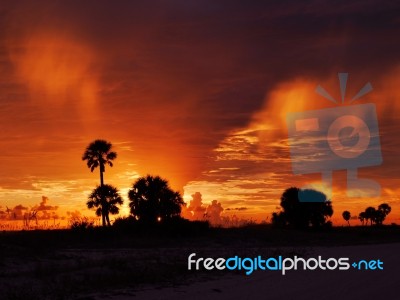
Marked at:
<point>101,177</point>
<point>103,215</point>
<point>103,218</point>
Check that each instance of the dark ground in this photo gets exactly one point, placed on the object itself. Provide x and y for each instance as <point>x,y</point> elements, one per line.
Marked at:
<point>122,264</point>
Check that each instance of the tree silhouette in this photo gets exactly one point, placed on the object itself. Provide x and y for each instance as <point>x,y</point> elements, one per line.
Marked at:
<point>152,200</point>
<point>379,217</point>
<point>383,210</point>
<point>105,199</point>
<point>301,214</point>
<point>99,154</point>
<point>362,217</point>
<point>370,214</point>
<point>278,219</point>
<point>346,216</point>
<point>376,216</point>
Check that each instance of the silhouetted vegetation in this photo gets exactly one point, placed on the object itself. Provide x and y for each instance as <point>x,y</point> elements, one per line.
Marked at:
<point>362,217</point>
<point>346,216</point>
<point>81,224</point>
<point>106,199</point>
<point>375,216</point>
<point>300,214</point>
<point>99,154</point>
<point>152,200</point>
<point>384,209</point>
<point>370,213</point>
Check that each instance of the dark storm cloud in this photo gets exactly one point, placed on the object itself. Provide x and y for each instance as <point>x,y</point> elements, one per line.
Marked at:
<point>172,78</point>
<point>229,52</point>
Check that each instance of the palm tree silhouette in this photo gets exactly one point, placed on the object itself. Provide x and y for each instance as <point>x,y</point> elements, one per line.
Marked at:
<point>362,217</point>
<point>152,200</point>
<point>346,216</point>
<point>99,154</point>
<point>385,208</point>
<point>105,198</point>
<point>370,213</point>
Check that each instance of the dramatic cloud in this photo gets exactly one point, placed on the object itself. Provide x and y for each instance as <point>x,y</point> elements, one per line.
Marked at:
<point>18,212</point>
<point>74,214</point>
<point>43,205</point>
<point>195,210</point>
<point>196,92</point>
<point>237,208</point>
<point>213,212</point>
<point>252,165</point>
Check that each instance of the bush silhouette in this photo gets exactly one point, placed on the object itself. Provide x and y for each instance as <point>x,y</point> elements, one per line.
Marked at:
<point>301,214</point>
<point>152,200</point>
<point>81,224</point>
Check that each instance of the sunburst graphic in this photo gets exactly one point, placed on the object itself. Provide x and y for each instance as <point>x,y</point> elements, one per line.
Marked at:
<point>336,138</point>
<point>343,84</point>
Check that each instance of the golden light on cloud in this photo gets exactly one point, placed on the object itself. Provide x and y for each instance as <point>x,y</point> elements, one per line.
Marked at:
<point>201,102</point>
<point>251,154</point>
<point>297,95</point>
<point>56,68</point>
<point>250,162</point>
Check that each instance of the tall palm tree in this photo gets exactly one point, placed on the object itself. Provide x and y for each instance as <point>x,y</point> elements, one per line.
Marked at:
<point>346,216</point>
<point>105,198</point>
<point>99,154</point>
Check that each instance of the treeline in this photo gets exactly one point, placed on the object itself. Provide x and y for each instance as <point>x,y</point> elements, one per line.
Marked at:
<point>370,214</point>
<point>151,198</point>
<point>311,208</point>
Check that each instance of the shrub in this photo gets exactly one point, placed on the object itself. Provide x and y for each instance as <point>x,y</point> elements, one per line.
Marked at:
<point>81,224</point>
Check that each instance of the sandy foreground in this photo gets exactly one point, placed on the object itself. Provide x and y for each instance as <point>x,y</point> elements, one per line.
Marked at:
<point>350,284</point>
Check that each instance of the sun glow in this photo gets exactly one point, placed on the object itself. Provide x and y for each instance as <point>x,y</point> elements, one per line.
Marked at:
<point>52,62</point>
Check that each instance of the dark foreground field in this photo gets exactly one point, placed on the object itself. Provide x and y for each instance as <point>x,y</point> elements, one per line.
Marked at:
<point>152,263</point>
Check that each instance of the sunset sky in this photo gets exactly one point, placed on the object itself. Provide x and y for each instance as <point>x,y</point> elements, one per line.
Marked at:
<point>194,91</point>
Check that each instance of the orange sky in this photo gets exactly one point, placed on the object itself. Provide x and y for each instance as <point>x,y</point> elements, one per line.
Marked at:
<point>196,93</point>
